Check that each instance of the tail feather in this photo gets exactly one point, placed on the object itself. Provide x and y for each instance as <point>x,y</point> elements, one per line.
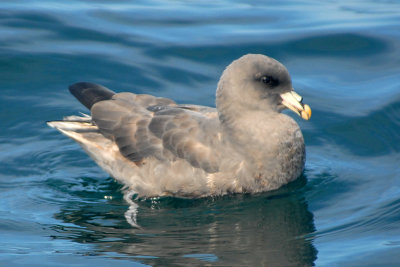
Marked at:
<point>82,131</point>
<point>101,149</point>
<point>89,93</point>
<point>72,125</point>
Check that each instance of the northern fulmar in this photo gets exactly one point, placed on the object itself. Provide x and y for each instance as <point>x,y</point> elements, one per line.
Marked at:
<point>156,147</point>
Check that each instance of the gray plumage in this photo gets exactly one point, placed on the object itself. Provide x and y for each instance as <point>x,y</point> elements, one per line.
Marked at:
<point>157,147</point>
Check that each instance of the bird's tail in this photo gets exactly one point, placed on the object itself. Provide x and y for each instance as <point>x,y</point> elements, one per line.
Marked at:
<point>79,128</point>
<point>90,93</point>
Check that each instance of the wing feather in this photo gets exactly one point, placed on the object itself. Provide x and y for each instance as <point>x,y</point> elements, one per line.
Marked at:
<point>187,133</point>
<point>125,119</point>
<point>144,126</point>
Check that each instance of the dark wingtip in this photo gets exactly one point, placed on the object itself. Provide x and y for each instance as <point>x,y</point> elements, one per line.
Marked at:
<point>90,93</point>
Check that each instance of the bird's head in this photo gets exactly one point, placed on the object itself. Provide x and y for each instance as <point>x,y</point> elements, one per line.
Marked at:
<point>259,82</point>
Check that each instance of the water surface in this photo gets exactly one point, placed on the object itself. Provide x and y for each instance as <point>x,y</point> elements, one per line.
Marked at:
<point>58,208</point>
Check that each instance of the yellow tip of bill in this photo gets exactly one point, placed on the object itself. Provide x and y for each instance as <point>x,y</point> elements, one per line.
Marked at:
<point>306,113</point>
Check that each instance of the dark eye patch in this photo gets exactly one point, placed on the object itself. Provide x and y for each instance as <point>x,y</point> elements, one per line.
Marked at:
<point>266,79</point>
<point>270,81</point>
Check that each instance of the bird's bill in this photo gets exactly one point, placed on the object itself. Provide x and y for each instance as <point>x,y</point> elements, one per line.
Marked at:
<point>293,101</point>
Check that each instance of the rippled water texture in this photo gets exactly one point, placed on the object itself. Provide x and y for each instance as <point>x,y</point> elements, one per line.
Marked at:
<point>58,208</point>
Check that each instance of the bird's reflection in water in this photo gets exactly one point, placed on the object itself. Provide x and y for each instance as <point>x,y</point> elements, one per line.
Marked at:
<point>268,229</point>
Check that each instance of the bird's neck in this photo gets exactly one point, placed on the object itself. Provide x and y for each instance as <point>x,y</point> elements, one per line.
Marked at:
<point>271,144</point>
<point>249,127</point>
<point>248,124</point>
<point>258,130</point>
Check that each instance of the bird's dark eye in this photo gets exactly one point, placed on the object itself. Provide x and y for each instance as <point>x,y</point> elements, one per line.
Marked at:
<point>266,79</point>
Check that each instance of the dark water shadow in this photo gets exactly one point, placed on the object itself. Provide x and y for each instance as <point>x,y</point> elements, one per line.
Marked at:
<point>349,45</point>
<point>57,29</point>
<point>374,134</point>
<point>269,229</point>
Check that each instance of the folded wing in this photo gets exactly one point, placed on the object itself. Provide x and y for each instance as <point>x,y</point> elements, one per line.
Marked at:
<point>145,126</point>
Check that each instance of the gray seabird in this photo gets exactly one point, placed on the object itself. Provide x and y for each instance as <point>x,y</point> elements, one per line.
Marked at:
<point>156,147</point>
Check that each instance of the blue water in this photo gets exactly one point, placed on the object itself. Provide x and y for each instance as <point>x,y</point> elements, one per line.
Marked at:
<point>58,208</point>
